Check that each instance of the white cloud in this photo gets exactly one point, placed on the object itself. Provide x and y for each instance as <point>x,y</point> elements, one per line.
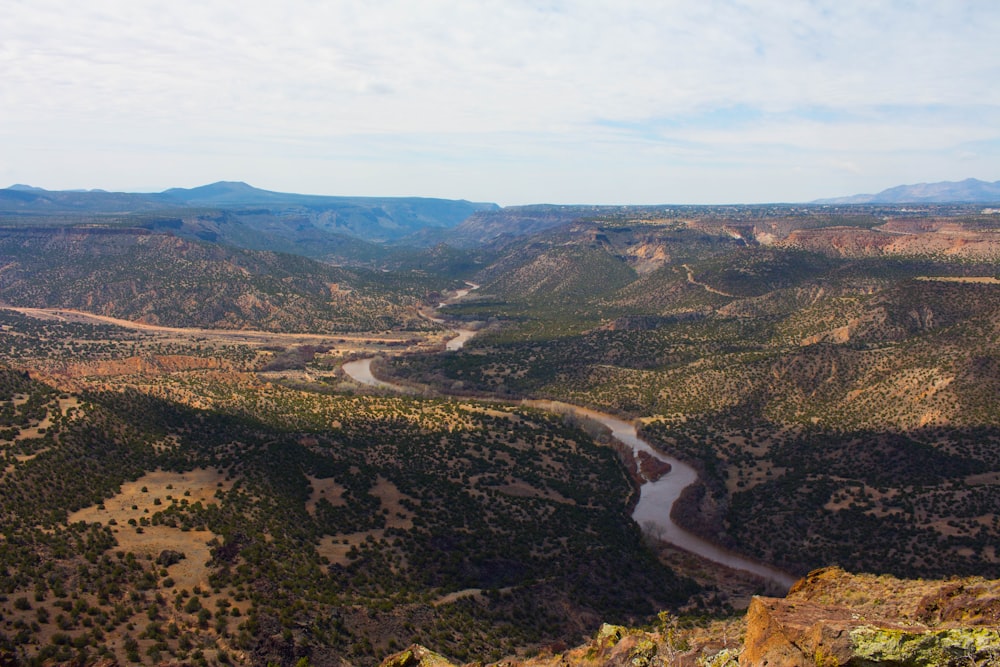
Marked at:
<point>848,166</point>
<point>392,81</point>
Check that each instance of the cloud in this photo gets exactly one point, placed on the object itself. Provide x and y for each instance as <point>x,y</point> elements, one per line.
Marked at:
<point>708,83</point>
<point>846,166</point>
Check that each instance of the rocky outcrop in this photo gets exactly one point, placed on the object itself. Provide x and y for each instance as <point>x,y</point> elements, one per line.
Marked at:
<point>417,656</point>
<point>612,646</point>
<point>944,240</point>
<point>832,618</point>
<point>840,241</point>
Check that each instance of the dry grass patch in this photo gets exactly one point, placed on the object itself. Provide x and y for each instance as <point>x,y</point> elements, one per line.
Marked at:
<point>390,497</point>
<point>983,479</point>
<point>522,489</point>
<point>762,472</point>
<point>326,488</point>
<point>138,500</point>
<point>192,570</point>
<point>39,429</point>
<point>472,407</point>
<point>983,280</point>
<point>336,547</point>
<point>63,405</point>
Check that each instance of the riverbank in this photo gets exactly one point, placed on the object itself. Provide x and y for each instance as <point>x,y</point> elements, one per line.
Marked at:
<point>656,496</point>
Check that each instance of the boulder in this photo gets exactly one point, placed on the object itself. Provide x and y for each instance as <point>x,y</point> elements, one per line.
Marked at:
<point>417,656</point>
<point>832,619</point>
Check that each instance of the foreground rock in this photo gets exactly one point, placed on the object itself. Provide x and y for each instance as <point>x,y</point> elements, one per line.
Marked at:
<point>416,656</point>
<point>612,646</point>
<point>830,619</point>
<point>833,618</point>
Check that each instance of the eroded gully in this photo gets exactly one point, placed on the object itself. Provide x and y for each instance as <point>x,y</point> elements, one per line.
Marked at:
<point>656,497</point>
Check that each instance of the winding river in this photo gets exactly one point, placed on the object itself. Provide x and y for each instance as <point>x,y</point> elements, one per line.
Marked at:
<point>656,497</point>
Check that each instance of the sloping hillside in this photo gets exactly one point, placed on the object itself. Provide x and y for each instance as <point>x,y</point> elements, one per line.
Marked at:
<point>824,398</point>
<point>161,279</point>
<point>240,214</point>
<point>830,619</point>
<point>271,523</point>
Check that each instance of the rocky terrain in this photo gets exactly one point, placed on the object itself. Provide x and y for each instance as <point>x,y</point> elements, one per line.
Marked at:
<point>830,372</point>
<point>944,240</point>
<point>172,500</point>
<point>830,618</point>
<point>167,280</point>
<point>823,394</point>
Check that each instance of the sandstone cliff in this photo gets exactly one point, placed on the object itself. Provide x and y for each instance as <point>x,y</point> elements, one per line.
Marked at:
<point>945,240</point>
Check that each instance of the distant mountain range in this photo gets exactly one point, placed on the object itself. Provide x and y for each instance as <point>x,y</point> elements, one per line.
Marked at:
<point>205,211</point>
<point>222,194</point>
<point>969,190</point>
<point>359,230</point>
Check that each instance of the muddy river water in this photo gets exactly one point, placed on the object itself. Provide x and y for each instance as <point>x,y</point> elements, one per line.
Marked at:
<point>656,497</point>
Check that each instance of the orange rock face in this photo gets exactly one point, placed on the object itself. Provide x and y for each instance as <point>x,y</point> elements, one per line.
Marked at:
<point>781,633</point>
<point>817,623</point>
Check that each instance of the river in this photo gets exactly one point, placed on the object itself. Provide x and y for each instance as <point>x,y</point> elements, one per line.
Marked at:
<point>656,497</point>
<point>360,370</point>
<point>461,335</point>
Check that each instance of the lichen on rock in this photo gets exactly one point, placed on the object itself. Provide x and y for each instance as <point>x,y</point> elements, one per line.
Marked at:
<point>954,646</point>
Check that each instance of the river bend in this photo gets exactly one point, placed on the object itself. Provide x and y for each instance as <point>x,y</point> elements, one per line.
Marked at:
<point>656,497</point>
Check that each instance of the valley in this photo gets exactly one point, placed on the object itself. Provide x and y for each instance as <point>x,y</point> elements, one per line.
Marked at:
<point>220,455</point>
<point>657,494</point>
<point>358,518</point>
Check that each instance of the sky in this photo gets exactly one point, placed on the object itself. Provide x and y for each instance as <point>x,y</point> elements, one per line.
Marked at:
<point>509,101</point>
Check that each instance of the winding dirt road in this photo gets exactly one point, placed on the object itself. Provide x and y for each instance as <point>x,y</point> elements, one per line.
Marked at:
<point>237,335</point>
<point>707,288</point>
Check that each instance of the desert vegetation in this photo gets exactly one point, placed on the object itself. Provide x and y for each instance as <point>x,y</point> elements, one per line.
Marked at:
<point>274,523</point>
<point>160,279</point>
<point>825,398</point>
<point>223,494</point>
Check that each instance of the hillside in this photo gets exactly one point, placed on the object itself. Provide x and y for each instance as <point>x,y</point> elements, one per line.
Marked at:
<point>162,279</point>
<point>239,214</point>
<point>169,503</point>
<point>969,190</point>
<point>824,396</point>
<point>830,618</point>
<point>226,494</point>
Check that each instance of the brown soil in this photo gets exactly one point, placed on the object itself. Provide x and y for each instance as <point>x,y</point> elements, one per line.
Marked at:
<point>236,335</point>
<point>336,547</point>
<point>132,502</point>
<point>948,240</point>
<point>521,489</point>
<point>324,488</point>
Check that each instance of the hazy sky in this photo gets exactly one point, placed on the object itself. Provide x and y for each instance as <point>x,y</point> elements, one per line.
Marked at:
<point>585,101</point>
